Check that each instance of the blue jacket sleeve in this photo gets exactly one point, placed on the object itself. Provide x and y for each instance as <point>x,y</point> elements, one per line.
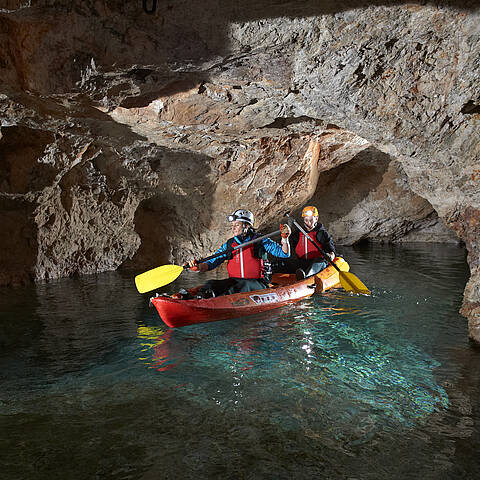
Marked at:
<point>274,248</point>
<point>215,262</point>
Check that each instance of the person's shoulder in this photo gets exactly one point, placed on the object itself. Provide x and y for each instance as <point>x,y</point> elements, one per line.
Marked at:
<point>228,243</point>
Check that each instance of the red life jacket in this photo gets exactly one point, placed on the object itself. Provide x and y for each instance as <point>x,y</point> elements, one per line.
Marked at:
<point>305,248</point>
<point>244,263</point>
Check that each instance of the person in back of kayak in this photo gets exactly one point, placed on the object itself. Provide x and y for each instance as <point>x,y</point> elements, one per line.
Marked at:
<point>307,259</point>
<point>248,268</point>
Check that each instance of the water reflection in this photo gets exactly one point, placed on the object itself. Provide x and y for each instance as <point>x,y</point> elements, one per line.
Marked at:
<point>76,332</point>
<point>336,385</point>
<point>311,351</point>
<point>157,351</point>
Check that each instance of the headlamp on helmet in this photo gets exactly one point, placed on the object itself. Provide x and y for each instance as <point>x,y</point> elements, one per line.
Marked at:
<point>242,215</point>
<point>310,211</point>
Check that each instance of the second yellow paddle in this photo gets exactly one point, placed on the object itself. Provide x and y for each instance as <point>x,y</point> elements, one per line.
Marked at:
<point>348,280</point>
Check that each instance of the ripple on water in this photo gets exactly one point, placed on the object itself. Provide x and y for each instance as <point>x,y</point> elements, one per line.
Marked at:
<point>335,372</point>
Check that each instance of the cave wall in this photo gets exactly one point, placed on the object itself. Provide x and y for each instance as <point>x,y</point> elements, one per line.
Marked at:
<point>369,199</point>
<point>119,126</point>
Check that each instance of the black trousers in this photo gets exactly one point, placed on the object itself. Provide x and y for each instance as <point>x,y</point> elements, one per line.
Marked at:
<point>231,285</point>
<point>310,267</point>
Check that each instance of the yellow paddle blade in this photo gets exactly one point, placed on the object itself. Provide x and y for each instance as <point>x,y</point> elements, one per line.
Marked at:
<point>157,277</point>
<point>351,283</point>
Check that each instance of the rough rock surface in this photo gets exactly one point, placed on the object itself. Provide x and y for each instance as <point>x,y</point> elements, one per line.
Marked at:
<point>129,129</point>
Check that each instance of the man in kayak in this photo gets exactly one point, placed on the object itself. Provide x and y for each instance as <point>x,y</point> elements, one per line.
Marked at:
<point>306,259</point>
<point>248,268</point>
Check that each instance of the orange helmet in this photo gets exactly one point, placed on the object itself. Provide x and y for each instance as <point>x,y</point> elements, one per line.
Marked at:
<point>310,211</point>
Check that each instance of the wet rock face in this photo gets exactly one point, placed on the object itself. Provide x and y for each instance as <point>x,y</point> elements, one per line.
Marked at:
<point>129,130</point>
<point>468,222</point>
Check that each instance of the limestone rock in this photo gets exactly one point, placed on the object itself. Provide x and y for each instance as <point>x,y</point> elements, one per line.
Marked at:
<point>369,198</point>
<point>127,133</point>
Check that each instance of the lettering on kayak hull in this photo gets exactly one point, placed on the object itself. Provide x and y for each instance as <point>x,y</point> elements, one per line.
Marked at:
<point>265,298</point>
<point>240,303</point>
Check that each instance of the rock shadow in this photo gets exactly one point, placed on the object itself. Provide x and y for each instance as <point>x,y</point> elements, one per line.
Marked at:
<point>369,198</point>
<point>20,173</point>
<point>20,149</point>
<point>18,242</point>
<point>171,220</point>
<point>340,189</point>
<point>146,44</point>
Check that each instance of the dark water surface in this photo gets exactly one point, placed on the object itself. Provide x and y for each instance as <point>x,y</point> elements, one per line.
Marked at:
<point>95,386</point>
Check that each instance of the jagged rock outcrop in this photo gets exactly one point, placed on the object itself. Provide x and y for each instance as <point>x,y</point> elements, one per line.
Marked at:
<point>128,129</point>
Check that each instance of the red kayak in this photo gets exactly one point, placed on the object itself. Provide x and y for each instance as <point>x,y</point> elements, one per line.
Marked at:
<point>284,290</point>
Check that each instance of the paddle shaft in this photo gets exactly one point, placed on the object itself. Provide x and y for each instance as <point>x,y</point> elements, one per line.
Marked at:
<point>246,244</point>
<point>160,276</point>
<point>326,256</point>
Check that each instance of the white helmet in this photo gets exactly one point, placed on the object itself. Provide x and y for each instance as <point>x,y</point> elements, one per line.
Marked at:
<point>242,216</point>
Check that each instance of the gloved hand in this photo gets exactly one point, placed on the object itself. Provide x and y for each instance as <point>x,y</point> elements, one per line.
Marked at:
<point>192,265</point>
<point>285,230</point>
<point>203,267</point>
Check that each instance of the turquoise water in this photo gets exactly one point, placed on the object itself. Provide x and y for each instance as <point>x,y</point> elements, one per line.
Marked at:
<point>95,386</point>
